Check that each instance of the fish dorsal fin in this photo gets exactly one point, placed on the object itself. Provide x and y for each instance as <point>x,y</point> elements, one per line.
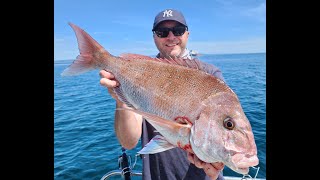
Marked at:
<point>193,63</point>
<point>155,145</point>
<point>130,56</point>
<point>190,63</point>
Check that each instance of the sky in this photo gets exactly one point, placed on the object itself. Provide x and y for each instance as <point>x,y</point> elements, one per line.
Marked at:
<point>124,26</point>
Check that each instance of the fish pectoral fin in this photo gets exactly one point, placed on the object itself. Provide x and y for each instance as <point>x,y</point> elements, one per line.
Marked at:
<point>157,144</point>
<point>152,118</point>
<point>161,124</point>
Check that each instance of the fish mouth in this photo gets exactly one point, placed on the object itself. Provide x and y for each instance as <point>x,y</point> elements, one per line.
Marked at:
<point>240,162</point>
<point>242,170</point>
<point>243,161</point>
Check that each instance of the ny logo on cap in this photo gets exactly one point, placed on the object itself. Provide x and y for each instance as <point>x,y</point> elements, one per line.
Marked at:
<point>167,13</point>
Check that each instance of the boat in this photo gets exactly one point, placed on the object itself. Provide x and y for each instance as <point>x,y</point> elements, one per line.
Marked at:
<point>194,53</point>
<point>126,170</point>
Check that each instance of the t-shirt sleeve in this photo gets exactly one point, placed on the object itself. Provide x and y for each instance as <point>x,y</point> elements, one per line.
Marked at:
<point>211,69</point>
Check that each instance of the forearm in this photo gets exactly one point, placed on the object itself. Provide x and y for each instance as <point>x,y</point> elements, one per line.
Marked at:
<point>128,127</point>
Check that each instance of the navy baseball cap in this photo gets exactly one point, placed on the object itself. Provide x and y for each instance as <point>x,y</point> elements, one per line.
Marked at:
<point>169,14</point>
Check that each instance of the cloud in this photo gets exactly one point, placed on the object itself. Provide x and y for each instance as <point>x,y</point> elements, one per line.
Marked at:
<point>102,32</point>
<point>58,40</point>
<point>253,45</point>
<point>238,9</point>
<point>131,21</point>
<point>136,47</point>
<point>65,48</point>
<point>258,12</point>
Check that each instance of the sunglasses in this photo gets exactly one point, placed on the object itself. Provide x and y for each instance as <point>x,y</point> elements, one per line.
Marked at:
<point>163,32</point>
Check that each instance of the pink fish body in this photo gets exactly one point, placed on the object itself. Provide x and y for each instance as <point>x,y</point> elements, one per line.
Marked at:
<point>189,107</point>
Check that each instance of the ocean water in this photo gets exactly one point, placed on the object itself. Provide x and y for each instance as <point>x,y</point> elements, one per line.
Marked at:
<point>85,145</point>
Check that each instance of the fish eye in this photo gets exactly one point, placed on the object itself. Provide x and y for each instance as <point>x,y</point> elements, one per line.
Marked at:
<point>228,123</point>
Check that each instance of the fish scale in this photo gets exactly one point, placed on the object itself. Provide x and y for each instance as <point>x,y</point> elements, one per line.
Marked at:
<point>158,93</point>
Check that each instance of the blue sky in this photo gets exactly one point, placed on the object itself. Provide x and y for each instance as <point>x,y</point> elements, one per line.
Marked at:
<point>124,26</point>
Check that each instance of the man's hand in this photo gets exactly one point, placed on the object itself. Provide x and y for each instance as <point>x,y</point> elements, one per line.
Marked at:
<point>108,80</point>
<point>127,124</point>
<point>211,169</point>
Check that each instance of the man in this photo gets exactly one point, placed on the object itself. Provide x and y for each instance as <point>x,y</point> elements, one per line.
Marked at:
<point>170,33</point>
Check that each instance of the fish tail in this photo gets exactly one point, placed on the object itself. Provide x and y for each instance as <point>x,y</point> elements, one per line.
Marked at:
<point>92,54</point>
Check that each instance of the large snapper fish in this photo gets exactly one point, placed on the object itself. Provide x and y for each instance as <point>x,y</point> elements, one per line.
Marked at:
<point>190,108</point>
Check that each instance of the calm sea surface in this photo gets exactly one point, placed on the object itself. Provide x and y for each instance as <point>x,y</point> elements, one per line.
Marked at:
<point>85,145</point>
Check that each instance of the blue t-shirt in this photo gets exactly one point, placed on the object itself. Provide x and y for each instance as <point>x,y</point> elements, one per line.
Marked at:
<point>173,164</point>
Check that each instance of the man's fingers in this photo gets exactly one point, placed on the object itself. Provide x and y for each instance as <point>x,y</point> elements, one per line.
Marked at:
<point>195,160</point>
<point>211,169</point>
<point>218,165</point>
<point>189,150</point>
<point>108,83</point>
<point>190,157</point>
<point>105,74</point>
<point>198,162</point>
<point>212,172</point>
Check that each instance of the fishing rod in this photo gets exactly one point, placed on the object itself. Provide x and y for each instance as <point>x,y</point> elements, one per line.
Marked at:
<point>125,165</point>
<point>125,168</point>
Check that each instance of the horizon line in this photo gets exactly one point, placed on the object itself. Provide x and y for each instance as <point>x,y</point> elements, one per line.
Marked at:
<point>199,54</point>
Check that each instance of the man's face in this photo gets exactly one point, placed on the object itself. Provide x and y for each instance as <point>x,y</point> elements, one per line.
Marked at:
<point>171,45</point>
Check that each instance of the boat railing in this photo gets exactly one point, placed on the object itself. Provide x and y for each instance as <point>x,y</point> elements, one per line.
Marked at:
<point>125,168</point>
